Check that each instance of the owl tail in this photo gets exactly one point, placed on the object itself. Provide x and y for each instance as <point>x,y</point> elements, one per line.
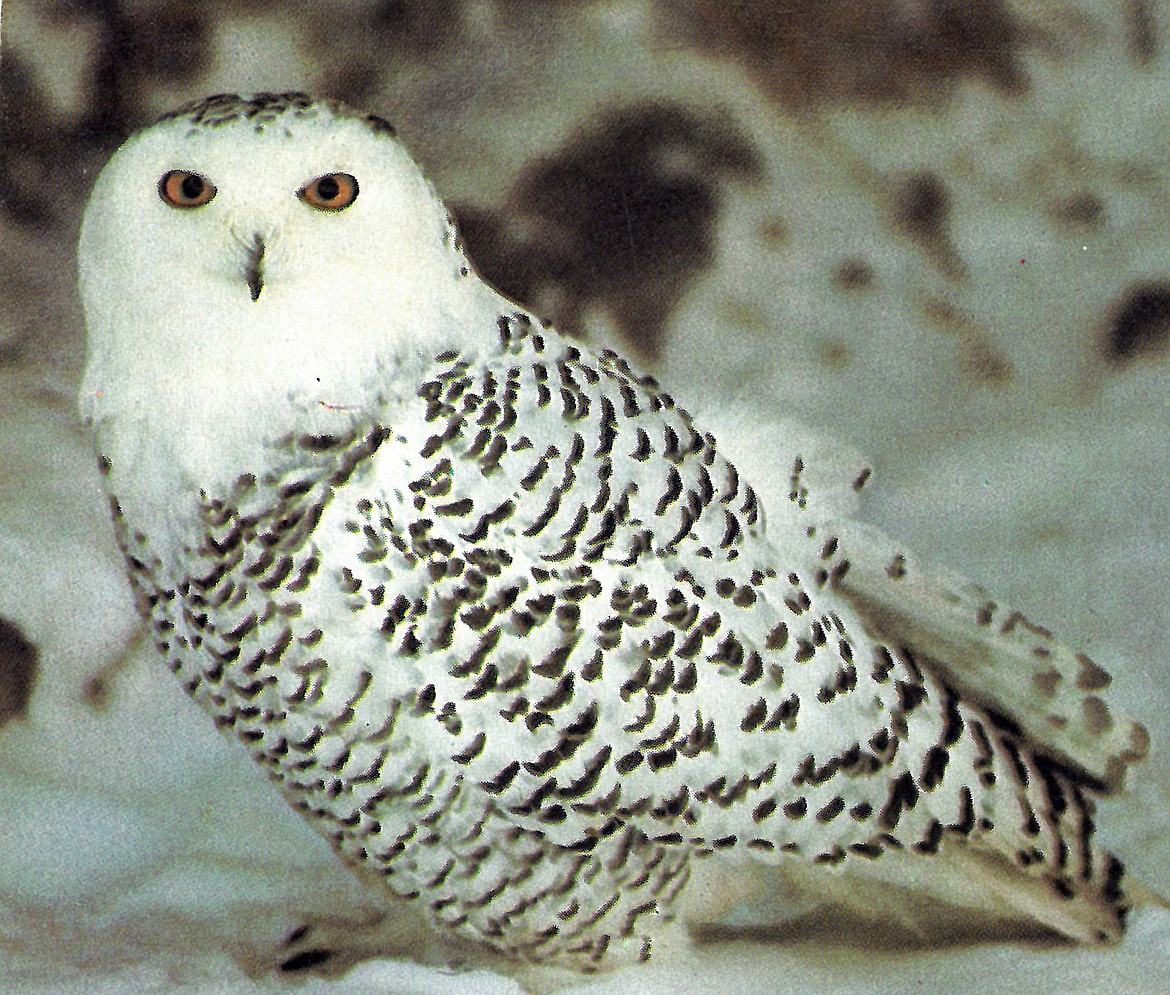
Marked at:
<point>1031,833</point>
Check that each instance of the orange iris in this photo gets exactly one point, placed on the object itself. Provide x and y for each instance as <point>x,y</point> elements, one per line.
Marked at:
<point>184,189</point>
<point>331,192</point>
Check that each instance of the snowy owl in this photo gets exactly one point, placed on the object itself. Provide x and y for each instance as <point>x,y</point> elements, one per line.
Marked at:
<point>496,615</point>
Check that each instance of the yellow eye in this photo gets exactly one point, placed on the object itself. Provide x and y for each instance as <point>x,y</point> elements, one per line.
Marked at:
<point>184,189</point>
<point>331,192</point>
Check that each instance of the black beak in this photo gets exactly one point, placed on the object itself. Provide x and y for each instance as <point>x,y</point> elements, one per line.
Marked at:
<point>253,271</point>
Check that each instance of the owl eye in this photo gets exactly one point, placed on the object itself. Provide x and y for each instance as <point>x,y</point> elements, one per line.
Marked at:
<point>331,192</point>
<point>184,189</point>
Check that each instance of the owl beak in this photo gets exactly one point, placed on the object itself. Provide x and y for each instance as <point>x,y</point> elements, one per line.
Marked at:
<point>253,271</point>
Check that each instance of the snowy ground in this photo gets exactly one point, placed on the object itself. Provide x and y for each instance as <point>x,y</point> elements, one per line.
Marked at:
<point>948,250</point>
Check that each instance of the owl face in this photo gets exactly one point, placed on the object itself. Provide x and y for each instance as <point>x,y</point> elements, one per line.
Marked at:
<point>231,261</point>
<point>187,190</point>
<point>309,207</point>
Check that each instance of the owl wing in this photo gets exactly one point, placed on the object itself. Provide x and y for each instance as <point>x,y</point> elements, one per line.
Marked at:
<point>586,600</point>
<point>981,648</point>
<point>989,653</point>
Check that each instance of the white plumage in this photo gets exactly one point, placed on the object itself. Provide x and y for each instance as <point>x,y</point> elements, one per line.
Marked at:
<point>495,614</point>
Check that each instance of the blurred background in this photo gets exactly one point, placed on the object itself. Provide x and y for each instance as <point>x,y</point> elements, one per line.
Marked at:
<point>937,231</point>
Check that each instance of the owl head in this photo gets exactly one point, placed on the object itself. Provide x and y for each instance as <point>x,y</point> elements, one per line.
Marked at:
<point>248,248</point>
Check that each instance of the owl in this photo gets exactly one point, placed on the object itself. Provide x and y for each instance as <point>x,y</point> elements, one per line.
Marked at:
<point>496,615</point>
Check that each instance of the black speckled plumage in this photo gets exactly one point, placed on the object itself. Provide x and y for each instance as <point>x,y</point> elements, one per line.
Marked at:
<point>580,667</point>
<point>499,618</point>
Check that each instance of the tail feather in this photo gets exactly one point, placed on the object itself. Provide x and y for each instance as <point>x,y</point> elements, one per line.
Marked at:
<point>1034,837</point>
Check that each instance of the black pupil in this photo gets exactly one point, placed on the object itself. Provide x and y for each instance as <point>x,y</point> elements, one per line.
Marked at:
<point>192,187</point>
<point>328,188</point>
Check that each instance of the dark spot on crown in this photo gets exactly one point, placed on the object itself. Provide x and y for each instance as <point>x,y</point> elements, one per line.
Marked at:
<point>1140,322</point>
<point>226,108</point>
<point>262,109</point>
<point>18,672</point>
<point>622,219</point>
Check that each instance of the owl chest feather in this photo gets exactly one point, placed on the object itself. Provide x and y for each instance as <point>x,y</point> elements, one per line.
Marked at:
<point>538,577</point>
